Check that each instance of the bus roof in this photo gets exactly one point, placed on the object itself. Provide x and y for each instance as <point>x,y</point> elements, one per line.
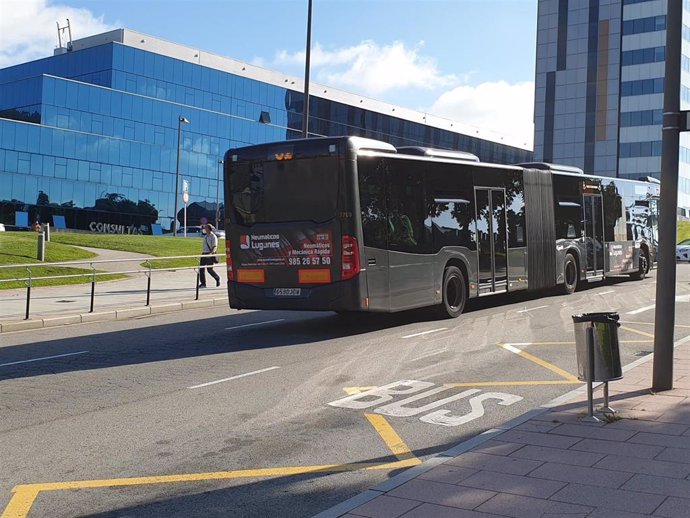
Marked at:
<point>438,153</point>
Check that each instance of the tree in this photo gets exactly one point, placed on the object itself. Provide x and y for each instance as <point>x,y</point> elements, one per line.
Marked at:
<point>42,199</point>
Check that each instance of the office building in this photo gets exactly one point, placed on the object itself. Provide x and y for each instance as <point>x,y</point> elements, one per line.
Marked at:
<point>599,87</point>
<point>94,136</point>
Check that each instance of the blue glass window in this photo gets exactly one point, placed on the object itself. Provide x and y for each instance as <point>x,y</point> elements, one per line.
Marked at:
<point>641,56</point>
<point>641,25</point>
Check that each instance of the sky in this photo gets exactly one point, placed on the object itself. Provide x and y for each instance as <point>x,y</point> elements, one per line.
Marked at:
<point>466,60</point>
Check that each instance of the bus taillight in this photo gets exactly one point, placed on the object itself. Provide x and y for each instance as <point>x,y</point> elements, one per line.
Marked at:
<point>350,256</point>
<point>228,261</point>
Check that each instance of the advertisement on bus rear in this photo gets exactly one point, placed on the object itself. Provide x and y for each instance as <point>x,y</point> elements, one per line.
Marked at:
<point>305,247</point>
<point>620,255</point>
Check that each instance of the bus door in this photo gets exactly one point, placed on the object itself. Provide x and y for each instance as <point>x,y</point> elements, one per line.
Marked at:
<point>492,241</point>
<point>594,234</point>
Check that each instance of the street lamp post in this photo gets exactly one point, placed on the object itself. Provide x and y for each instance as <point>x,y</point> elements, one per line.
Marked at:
<point>180,121</point>
<point>305,111</point>
<point>220,168</point>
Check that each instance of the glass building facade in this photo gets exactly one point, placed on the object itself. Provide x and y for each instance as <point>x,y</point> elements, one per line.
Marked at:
<point>94,134</point>
<point>599,92</point>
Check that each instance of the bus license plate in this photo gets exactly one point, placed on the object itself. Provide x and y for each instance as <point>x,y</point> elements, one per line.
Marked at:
<point>287,292</point>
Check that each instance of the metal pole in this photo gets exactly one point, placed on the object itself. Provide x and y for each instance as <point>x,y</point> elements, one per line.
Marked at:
<point>220,166</point>
<point>28,300</point>
<point>28,295</point>
<point>590,417</point>
<point>305,112</point>
<point>180,120</point>
<point>93,287</point>
<point>148,284</point>
<point>664,316</point>
<point>606,409</point>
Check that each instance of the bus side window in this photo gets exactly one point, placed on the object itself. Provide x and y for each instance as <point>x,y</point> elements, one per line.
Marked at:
<point>407,214</point>
<point>568,224</point>
<point>451,220</point>
<point>372,198</point>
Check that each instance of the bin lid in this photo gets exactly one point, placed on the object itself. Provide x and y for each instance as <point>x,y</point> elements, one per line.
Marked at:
<point>605,317</point>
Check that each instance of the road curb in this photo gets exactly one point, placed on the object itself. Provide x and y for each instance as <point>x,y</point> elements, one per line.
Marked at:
<point>115,314</point>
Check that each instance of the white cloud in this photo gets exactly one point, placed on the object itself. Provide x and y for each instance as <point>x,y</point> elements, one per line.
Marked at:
<point>383,71</point>
<point>498,106</point>
<point>28,28</point>
<point>371,69</point>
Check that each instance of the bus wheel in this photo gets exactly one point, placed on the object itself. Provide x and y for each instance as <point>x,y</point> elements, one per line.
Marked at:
<point>454,292</point>
<point>643,267</point>
<point>571,276</point>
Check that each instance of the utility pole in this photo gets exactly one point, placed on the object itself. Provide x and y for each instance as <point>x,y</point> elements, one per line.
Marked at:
<point>305,111</point>
<point>664,316</point>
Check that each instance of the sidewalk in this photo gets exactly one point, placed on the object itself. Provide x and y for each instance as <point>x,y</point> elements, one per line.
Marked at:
<point>114,300</point>
<point>549,463</point>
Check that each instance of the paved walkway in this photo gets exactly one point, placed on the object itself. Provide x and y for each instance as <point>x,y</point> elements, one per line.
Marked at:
<point>549,463</point>
<point>113,300</point>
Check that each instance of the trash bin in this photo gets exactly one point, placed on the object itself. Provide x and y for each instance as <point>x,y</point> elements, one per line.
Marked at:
<point>601,331</point>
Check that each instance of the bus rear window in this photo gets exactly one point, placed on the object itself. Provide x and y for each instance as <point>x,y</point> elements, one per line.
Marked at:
<point>283,191</point>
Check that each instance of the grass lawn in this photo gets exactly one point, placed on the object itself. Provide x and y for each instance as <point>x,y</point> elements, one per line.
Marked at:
<point>158,246</point>
<point>21,247</point>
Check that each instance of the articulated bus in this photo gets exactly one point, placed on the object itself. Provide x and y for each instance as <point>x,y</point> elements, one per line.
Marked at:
<point>352,224</point>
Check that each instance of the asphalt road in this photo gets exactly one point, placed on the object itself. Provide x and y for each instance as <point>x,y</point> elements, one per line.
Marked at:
<point>224,413</point>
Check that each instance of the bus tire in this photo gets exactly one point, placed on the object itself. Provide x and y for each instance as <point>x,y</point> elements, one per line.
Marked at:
<point>571,275</point>
<point>454,292</point>
<point>643,267</point>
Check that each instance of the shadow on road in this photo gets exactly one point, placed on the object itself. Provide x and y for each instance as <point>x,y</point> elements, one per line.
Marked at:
<point>219,335</point>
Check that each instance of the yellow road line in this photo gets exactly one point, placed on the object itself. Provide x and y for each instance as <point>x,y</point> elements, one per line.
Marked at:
<point>21,502</point>
<point>391,438</point>
<point>573,343</point>
<point>652,323</point>
<point>539,361</point>
<point>356,390</point>
<point>542,343</point>
<point>25,494</point>
<point>509,383</point>
<point>648,335</point>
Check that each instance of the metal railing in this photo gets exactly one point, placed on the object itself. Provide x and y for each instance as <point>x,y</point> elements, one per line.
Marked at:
<point>94,274</point>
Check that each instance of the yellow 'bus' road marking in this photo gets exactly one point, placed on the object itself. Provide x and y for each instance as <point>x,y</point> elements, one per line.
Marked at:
<point>21,502</point>
<point>637,332</point>
<point>652,323</point>
<point>573,343</point>
<point>350,391</point>
<point>510,383</point>
<point>391,438</point>
<point>540,343</point>
<point>25,494</point>
<point>539,361</point>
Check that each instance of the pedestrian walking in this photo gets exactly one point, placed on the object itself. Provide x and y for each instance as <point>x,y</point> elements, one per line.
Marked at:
<point>208,257</point>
